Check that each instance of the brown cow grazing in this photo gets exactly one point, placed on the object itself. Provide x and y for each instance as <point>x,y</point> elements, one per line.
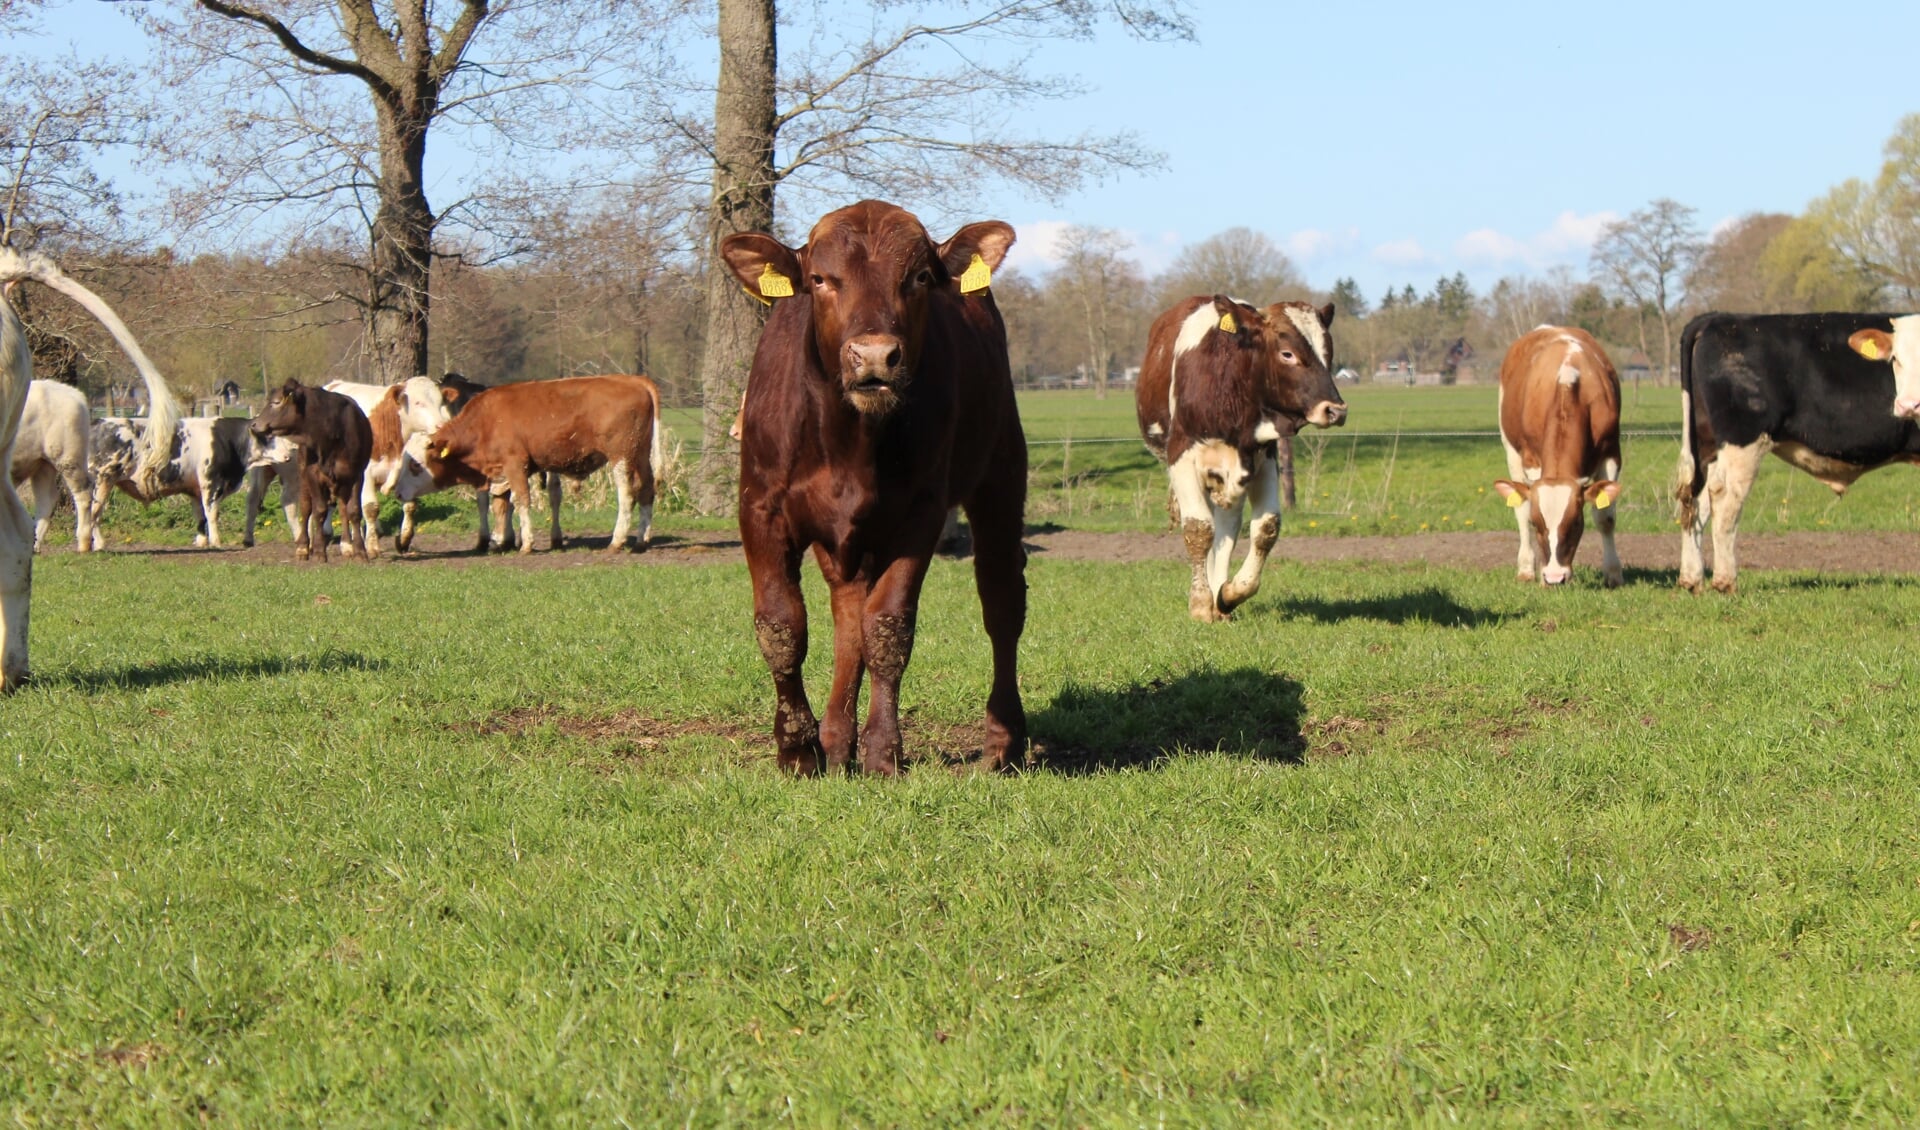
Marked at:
<point>1222,383</point>
<point>572,426</point>
<point>335,442</point>
<point>1560,422</point>
<point>880,396</point>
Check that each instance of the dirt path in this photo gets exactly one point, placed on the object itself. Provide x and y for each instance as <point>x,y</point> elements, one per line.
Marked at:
<point>1826,552</point>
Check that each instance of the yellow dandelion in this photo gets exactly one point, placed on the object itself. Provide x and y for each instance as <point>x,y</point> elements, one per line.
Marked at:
<point>1446,517</point>
<point>1483,490</point>
<point>1469,521</point>
<point>1423,525</point>
<point>1353,518</point>
<point>1312,525</point>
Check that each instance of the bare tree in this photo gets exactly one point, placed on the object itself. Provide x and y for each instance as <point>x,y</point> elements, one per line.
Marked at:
<point>1094,269</point>
<point>906,109</point>
<point>1646,259</point>
<point>1239,262</point>
<point>315,117</point>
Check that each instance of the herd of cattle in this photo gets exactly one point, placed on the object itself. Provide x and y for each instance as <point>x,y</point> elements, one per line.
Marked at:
<point>880,400</point>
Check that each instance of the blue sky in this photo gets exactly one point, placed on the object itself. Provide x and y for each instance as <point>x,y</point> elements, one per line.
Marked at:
<point>1400,142</point>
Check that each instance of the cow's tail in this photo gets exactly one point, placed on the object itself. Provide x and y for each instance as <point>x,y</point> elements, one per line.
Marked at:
<point>1688,477</point>
<point>163,414</point>
<point>654,446</point>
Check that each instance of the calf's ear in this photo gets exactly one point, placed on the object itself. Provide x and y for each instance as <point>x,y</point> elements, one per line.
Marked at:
<point>1603,493</point>
<point>1326,316</point>
<point>1874,345</point>
<point>1516,494</point>
<point>767,268</point>
<point>975,251</point>
<point>1230,315</point>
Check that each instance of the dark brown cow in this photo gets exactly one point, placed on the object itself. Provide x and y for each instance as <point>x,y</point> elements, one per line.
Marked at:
<point>1222,383</point>
<point>573,426</point>
<point>335,442</point>
<point>1560,422</point>
<point>879,397</point>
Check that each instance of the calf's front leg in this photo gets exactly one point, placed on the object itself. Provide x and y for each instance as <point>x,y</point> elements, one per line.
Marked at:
<point>887,638</point>
<point>780,626</point>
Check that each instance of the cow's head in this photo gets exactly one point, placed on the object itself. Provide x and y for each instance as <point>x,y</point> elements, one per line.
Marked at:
<point>423,405</point>
<point>870,271</point>
<point>1901,349</point>
<point>457,391</point>
<point>1559,516</point>
<point>1297,350</point>
<point>285,413</point>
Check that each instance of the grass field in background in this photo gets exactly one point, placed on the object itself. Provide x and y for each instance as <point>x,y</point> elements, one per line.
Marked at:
<point>470,844</point>
<point>1374,476</point>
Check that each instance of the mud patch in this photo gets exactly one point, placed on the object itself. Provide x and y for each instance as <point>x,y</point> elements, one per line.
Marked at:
<point>627,735</point>
<point>1687,939</point>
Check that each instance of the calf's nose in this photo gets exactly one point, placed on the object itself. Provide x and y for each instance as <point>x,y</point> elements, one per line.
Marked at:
<point>873,355</point>
<point>1328,414</point>
<point>1556,574</point>
<point>1907,407</point>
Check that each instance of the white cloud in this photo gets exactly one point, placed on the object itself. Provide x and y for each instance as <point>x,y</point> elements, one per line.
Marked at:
<point>1310,244</point>
<point>1570,236</point>
<point>1401,253</point>
<point>1036,245</point>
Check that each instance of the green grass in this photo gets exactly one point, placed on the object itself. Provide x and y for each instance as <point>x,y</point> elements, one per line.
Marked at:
<point>1425,845</point>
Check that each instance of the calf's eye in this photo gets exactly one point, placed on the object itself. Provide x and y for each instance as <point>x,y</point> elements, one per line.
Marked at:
<point>1286,355</point>
<point>924,278</point>
<point>816,280</point>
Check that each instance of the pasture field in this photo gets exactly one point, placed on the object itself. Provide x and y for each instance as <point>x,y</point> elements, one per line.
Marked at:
<point>1378,475</point>
<point>467,843</point>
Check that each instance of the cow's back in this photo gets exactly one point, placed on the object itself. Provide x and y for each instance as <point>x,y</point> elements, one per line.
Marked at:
<point>1150,394</point>
<point>1794,379</point>
<point>1544,365</point>
<point>559,425</point>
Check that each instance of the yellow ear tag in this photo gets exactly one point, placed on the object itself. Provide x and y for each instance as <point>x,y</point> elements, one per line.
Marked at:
<point>1870,349</point>
<point>1227,324</point>
<point>1603,500</point>
<point>773,284</point>
<point>978,275</point>
<point>1514,501</point>
<point>446,452</point>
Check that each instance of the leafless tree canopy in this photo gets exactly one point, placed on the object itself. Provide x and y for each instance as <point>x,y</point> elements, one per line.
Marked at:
<point>1240,262</point>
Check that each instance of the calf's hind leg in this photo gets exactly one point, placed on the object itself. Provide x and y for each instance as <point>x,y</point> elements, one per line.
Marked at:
<point>1000,576</point>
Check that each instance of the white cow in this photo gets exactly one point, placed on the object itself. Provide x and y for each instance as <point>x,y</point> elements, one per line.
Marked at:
<point>52,449</point>
<point>16,376</point>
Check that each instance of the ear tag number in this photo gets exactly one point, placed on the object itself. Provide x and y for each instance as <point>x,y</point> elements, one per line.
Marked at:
<point>773,284</point>
<point>1227,324</point>
<point>978,276</point>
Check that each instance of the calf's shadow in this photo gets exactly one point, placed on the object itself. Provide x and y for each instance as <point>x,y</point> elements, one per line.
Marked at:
<point>1244,713</point>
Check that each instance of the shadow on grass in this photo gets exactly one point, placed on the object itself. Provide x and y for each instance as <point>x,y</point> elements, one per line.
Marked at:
<point>1429,605</point>
<point>213,667</point>
<point>1241,713</point>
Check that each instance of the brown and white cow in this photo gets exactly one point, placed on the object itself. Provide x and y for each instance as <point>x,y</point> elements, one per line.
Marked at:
<point>572,426</point>
<point>396,413</point>
<point>1560,422</point>
<point>1222,383</point>
<point>880,396</point>
<point>335,442</point>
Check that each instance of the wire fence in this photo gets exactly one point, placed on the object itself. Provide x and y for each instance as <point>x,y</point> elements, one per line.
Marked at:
<point>693,446</point>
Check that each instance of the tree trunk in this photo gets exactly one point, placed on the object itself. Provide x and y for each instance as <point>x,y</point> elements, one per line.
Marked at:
<point>743,184</point>
<point>398,286</point>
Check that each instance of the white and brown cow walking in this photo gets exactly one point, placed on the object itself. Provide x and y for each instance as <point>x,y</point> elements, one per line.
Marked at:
<point>1221,384</point>
<point>1560,422</point>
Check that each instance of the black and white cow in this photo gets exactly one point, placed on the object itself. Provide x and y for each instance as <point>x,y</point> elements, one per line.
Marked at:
<point>209,462</point>
<point>1836,395</point>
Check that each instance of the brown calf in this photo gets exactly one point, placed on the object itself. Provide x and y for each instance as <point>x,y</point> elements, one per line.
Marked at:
<point>1221,385</point>
<point>1560,422</point>
<point>335,442</point>
<point>879,397</point>
<point>572,426</point>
